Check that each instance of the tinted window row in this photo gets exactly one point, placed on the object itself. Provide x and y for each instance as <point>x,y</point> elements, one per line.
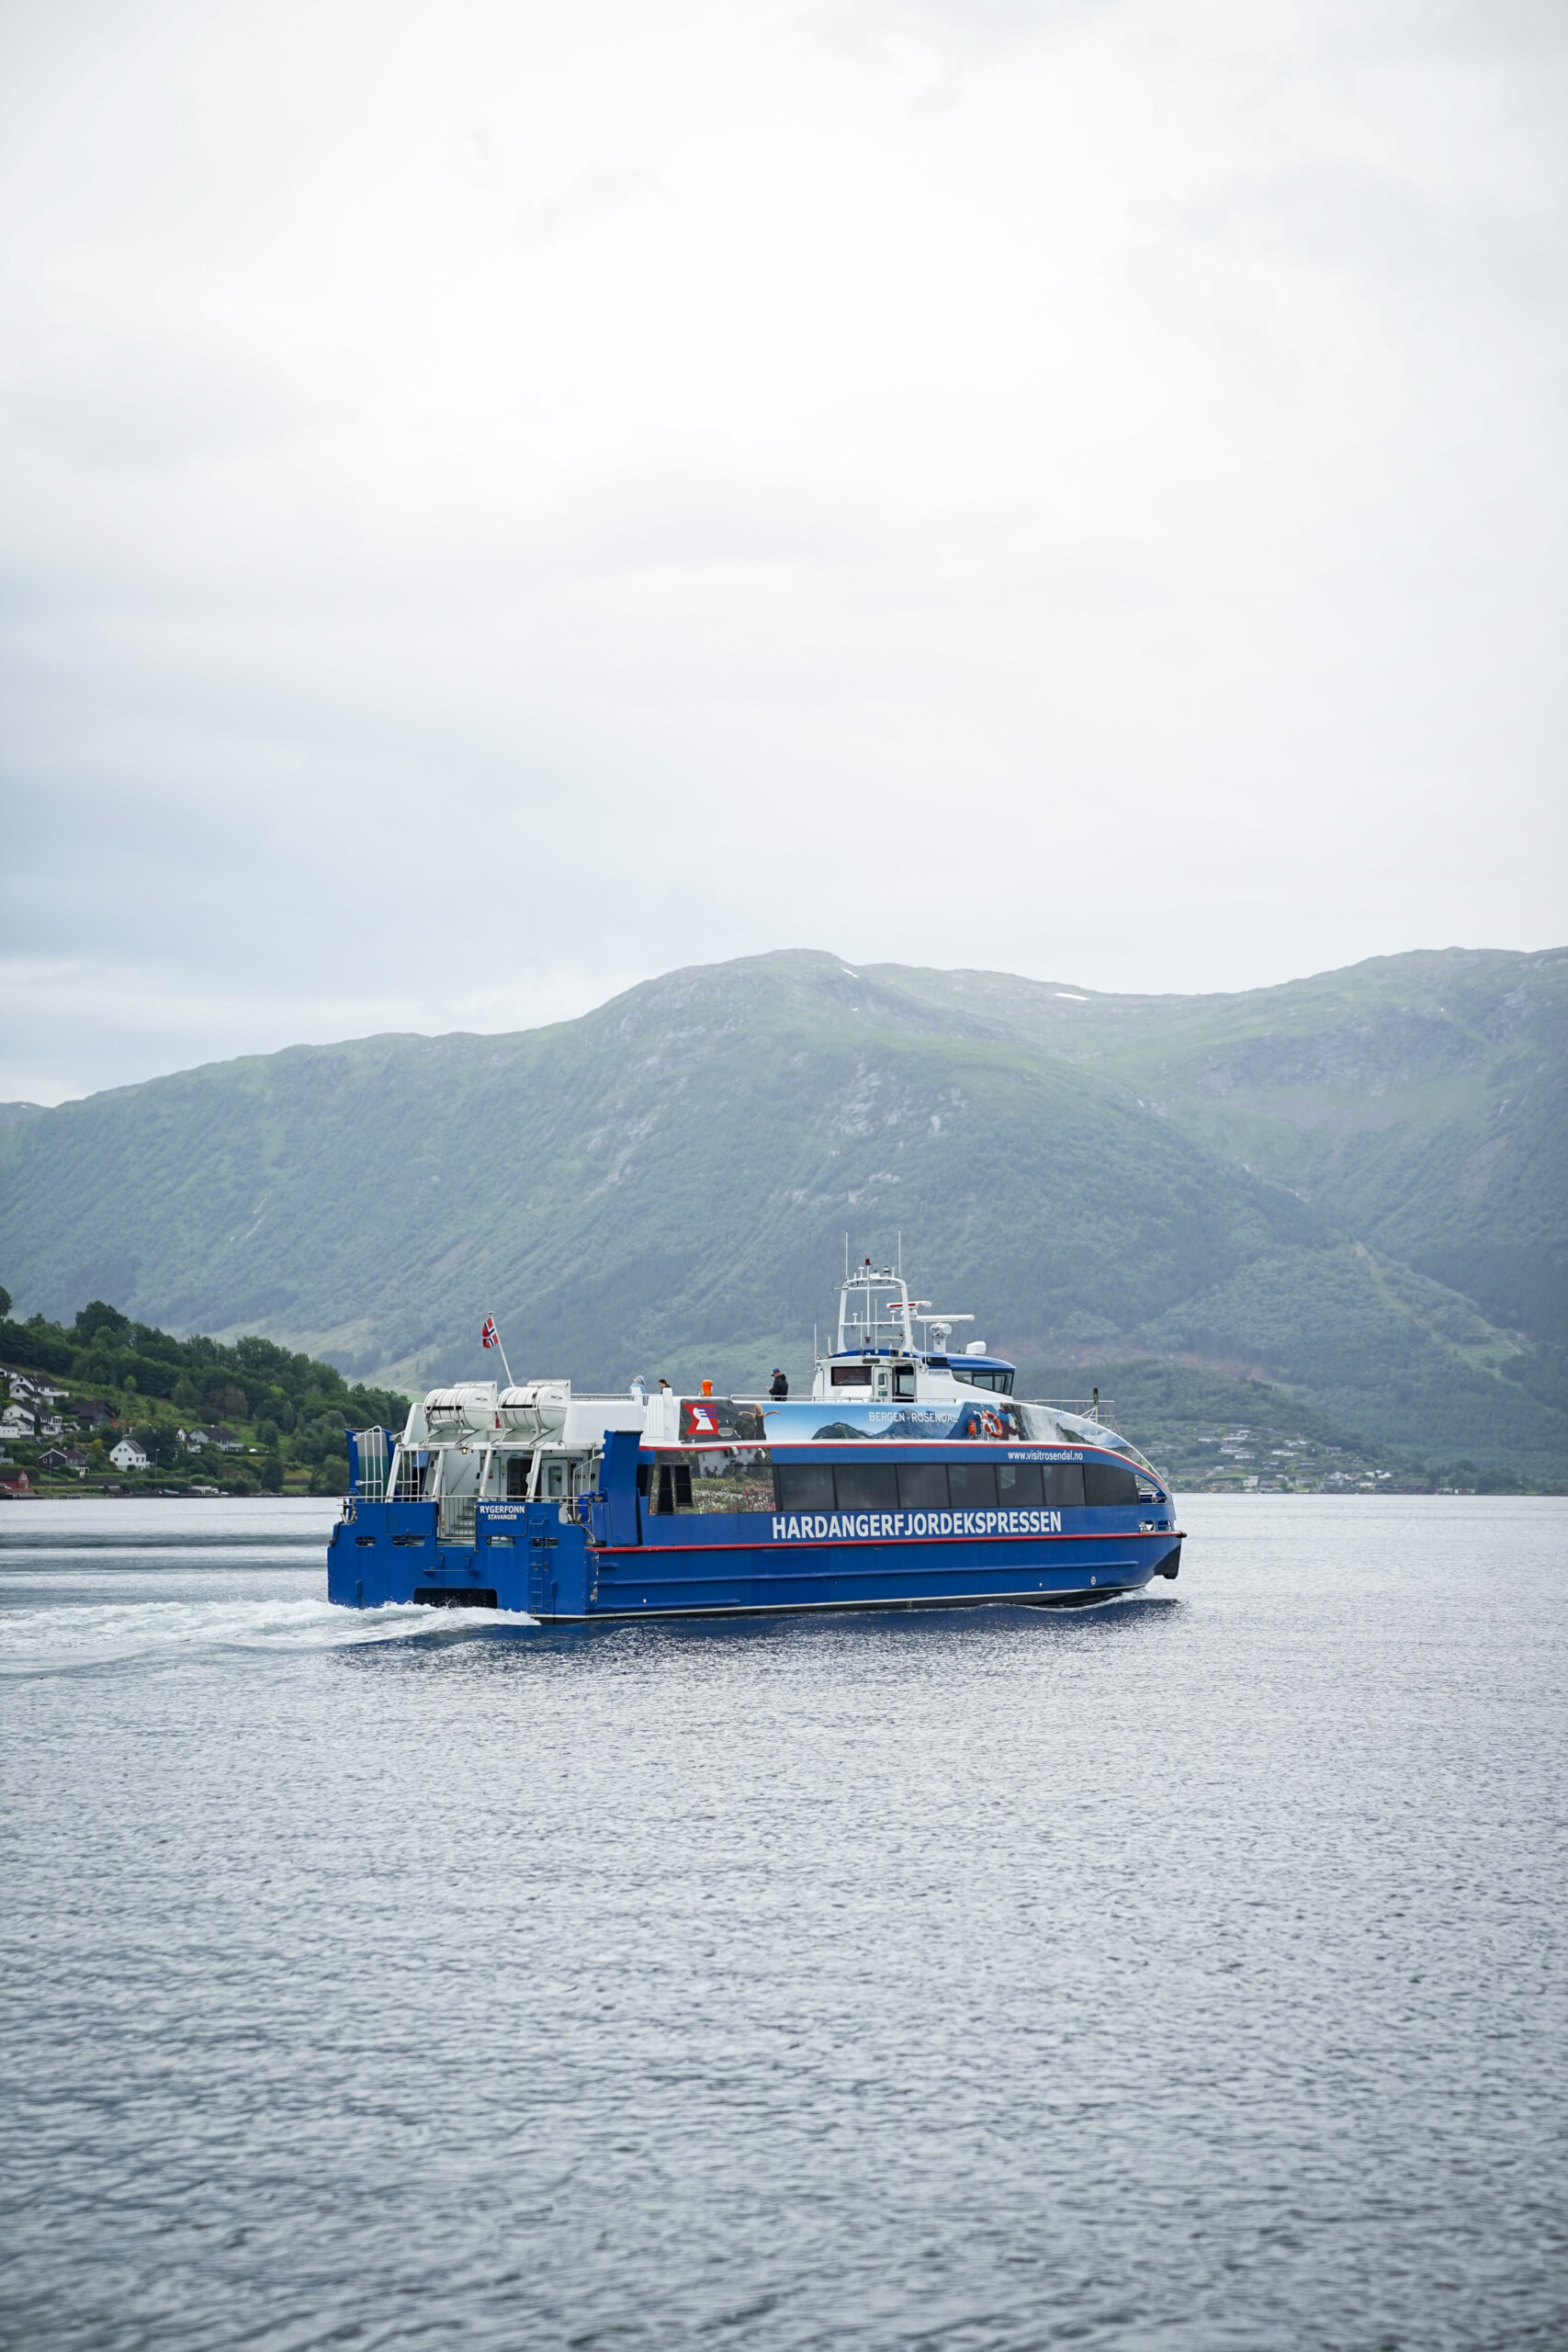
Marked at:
<point>953,1486</point>
<point>709,1478</point>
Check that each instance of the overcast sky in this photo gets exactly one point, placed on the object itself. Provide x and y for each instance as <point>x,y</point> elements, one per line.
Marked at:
<point>500,500</point>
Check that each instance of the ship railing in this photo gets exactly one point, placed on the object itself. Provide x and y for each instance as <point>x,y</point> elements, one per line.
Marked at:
<point>370,1458</point>
<point>1086,1408</point>
<point>409,1483</point>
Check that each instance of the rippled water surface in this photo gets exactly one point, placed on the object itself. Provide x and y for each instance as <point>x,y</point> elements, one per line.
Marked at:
<point>1188,1972</point>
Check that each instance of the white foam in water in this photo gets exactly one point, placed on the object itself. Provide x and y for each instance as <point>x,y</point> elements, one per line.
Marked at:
<point>45,1636</point>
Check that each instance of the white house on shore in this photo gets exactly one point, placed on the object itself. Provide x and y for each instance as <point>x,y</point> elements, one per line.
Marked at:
<point>128,1455</point>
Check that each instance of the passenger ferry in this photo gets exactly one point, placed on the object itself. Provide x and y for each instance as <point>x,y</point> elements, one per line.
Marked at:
<point>911,1478</point>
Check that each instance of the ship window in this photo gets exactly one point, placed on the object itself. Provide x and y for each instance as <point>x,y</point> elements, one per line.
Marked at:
<point>922,1485</point>
<point>1018,1486</point>
<point>517,1468</point>
<point>999,1383</point>
<point>973,1485</point>
<point>1063,1485</point>
<point>867,1486</point>
<point>714,1479</point>
<point>732,1478</point>
<point>1109,1482</point>
<point>849,1376</point>
<point>806,1486</point>
<point>674,1488</point>
<point>903,1380</point>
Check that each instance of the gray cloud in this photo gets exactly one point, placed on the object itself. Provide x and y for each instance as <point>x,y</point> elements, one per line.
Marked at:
<point>102,398</point>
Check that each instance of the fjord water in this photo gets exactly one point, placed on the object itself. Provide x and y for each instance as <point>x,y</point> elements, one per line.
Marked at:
<point>1189,1972</point>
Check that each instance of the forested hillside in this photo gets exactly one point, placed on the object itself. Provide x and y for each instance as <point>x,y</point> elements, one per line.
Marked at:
<point>245,1418</point>
<point>1352,1185</point>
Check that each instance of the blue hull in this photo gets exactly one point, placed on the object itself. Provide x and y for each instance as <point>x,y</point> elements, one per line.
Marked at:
<point>526,1557</point>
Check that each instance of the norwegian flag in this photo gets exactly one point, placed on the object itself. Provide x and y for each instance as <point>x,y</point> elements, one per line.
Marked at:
<point>490,1335</point>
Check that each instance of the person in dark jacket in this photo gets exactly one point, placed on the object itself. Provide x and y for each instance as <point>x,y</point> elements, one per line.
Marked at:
<point>779,1386</point>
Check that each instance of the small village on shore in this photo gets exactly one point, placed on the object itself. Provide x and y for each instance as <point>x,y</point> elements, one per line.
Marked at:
<point>106,1406</point>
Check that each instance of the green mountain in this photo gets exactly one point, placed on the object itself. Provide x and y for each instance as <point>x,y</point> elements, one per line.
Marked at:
<point>1352,1185</point>
<point>1417,1101</point>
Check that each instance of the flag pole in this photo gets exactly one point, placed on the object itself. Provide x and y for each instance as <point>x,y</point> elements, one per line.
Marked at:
<point>491,1325</point>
